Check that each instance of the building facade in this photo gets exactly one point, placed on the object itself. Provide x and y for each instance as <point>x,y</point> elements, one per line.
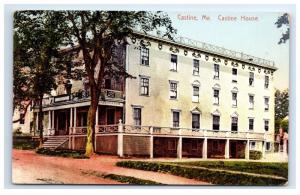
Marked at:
<point>188,99</point>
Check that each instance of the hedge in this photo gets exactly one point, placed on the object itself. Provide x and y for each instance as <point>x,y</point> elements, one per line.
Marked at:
<point>24,143</point>
<point>62,153</point>
<point>211,176</point>
<point>130,180</point>
<point>267,168</point>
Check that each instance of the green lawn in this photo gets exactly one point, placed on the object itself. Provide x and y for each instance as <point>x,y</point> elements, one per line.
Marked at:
<point>278,169</point>
<point>212,176</point>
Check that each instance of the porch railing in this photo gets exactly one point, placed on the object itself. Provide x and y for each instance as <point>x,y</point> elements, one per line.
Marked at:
<point>81,95</point>
<point>136,129</point>
<point>170,131</point>
<point>107,128</point>
<point>78,130</point>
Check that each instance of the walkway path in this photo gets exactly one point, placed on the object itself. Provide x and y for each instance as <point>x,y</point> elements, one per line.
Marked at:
<point>32,168</point>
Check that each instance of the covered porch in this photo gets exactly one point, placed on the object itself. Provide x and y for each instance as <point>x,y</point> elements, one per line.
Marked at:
<point>65,121</point>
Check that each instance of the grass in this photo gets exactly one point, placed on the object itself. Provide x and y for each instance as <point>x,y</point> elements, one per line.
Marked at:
<point>211,176</point>
<point>62,153</point>
<point>278,169</point>
<point>122,178</point>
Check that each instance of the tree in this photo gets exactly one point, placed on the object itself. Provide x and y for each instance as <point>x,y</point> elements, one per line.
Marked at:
<point>98,34</point>
<point>37,38</point>
<point>284,20</point>
<point>285,125</point>
<point>281,104</point>
<point>281,107</point>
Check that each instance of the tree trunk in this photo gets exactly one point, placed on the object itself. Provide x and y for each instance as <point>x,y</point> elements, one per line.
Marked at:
<point>40,120</point>
<point>91,121</point>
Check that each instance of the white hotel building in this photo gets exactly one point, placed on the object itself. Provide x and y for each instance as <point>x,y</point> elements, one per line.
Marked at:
<point>189,99</point>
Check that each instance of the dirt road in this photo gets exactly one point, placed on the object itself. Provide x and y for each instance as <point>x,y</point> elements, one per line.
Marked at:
<point>32,168</point>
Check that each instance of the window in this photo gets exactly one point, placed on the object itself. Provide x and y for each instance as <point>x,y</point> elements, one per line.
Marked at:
<point>175,119</point>
<point>251,101</point>
<point>196,67</point>
<point>252,145</point>
<point>216,96</point>
<point>234,75</point>
<point>234,124</point>
<point>234,99</point>
<point>144,86</point>
<point>195,94</point>
<point>22,119</point>
<point>216,122</point>
<point>173,90</point>
<point>216,71</point>
<point>173,66</point>
<point>266,82</point>
<point>251,124</point>
<point>251,79</point>
<point>145,56</point>
<point>137,116</point>
<point>196,121</point>
<point>268,146</point>
<point>266,104</point>
<point>266,122</point>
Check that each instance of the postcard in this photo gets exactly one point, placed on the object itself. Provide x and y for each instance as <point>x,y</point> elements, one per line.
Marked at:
<point>150,98</point>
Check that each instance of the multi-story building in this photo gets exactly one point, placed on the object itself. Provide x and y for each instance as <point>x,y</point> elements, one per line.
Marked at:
<point>189,99</point>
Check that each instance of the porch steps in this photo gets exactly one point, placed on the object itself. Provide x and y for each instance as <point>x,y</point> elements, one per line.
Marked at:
<point>53,142</point>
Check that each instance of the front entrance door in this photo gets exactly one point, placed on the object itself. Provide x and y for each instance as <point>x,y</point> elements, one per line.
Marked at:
<point>62,123</point>
<point>110,116</point>
<point>233,149</point>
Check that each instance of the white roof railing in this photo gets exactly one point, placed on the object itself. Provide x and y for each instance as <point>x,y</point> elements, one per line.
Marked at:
<point>215,49</point>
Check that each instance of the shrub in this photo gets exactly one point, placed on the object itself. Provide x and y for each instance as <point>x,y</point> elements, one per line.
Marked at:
<point>268,168</point>
<point>23,142</point>
<point>211,176</point>
<point>255,155</point>
<point>25,146</point>
<point>130,180</point>
<point>62,153</point>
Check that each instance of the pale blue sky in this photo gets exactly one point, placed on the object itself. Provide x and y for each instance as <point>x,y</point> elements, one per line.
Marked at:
<point>257,38</point>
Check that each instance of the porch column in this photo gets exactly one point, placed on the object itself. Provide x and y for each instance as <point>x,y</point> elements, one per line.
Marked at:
<point>227,149</point>
<point>204,149</point>
<point>247,150</point>
<point>263,149</point>
<point>120,139</point>
<point>179,148</point>
<point>75,117</point>
<point>37,122</point>
<point>97,117</point>
<point>53,118</point>
<point>71,128</point>
<point>151,142</point>
<point>49,123</point>
<point>71,120</point>
<point>96,128</point>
